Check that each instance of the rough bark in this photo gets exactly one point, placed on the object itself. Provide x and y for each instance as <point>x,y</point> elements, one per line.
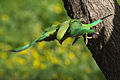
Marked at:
<point>105,46</point>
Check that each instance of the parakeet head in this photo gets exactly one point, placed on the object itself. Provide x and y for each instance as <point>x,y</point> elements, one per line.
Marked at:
<point>76,23</point>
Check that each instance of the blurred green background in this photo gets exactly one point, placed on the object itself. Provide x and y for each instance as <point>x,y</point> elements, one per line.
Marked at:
<point>23,21</point>
<point>118,2</point>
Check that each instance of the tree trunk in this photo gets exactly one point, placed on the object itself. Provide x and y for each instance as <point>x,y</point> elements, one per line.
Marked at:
<point>104,46</point>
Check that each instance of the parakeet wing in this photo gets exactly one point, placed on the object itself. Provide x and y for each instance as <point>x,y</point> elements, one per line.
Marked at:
<point>62,30</point>
<point>48,32</point>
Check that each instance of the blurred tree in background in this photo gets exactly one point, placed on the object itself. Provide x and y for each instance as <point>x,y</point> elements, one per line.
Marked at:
<point>23,21</point>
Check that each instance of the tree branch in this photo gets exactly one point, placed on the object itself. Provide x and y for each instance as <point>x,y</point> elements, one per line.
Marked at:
<point>105,46</point>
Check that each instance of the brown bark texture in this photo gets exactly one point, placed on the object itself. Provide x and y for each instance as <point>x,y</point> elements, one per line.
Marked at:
<point>105,45</point>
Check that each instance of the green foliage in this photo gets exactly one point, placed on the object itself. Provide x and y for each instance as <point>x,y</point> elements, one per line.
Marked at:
<point>118,2</point>
<point>23,21</point>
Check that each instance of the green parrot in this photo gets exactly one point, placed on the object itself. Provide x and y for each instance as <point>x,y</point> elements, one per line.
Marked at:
<point>71,28</point>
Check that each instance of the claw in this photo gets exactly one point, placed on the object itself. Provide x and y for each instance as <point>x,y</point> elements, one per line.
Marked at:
<point>86,39</point>
<point>89,37</point>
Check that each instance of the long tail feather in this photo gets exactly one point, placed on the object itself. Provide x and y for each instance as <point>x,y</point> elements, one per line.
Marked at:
<point>28,45</point>
<point>96,22</point>
<point>23,47</point>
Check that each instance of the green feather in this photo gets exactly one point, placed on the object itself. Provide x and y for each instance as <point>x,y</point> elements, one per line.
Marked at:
<point>95,23</point>
<point>49,32</point>
<point>70,28</point>
<point>82,31</point>
<point>23,48</point>
<point>62,30</point>
<point>28,45</point>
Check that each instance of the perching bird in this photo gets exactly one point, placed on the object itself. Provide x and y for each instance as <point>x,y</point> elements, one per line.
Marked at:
<point>71,28</point>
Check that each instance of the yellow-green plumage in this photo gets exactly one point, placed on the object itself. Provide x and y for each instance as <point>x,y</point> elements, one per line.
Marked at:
<point>62,30</point>
<point>71,28</point>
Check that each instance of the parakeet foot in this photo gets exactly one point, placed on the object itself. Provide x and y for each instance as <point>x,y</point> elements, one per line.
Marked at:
<point>86,39</point>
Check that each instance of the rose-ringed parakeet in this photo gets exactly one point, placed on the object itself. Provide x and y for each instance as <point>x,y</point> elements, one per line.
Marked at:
<point>70,28</point>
